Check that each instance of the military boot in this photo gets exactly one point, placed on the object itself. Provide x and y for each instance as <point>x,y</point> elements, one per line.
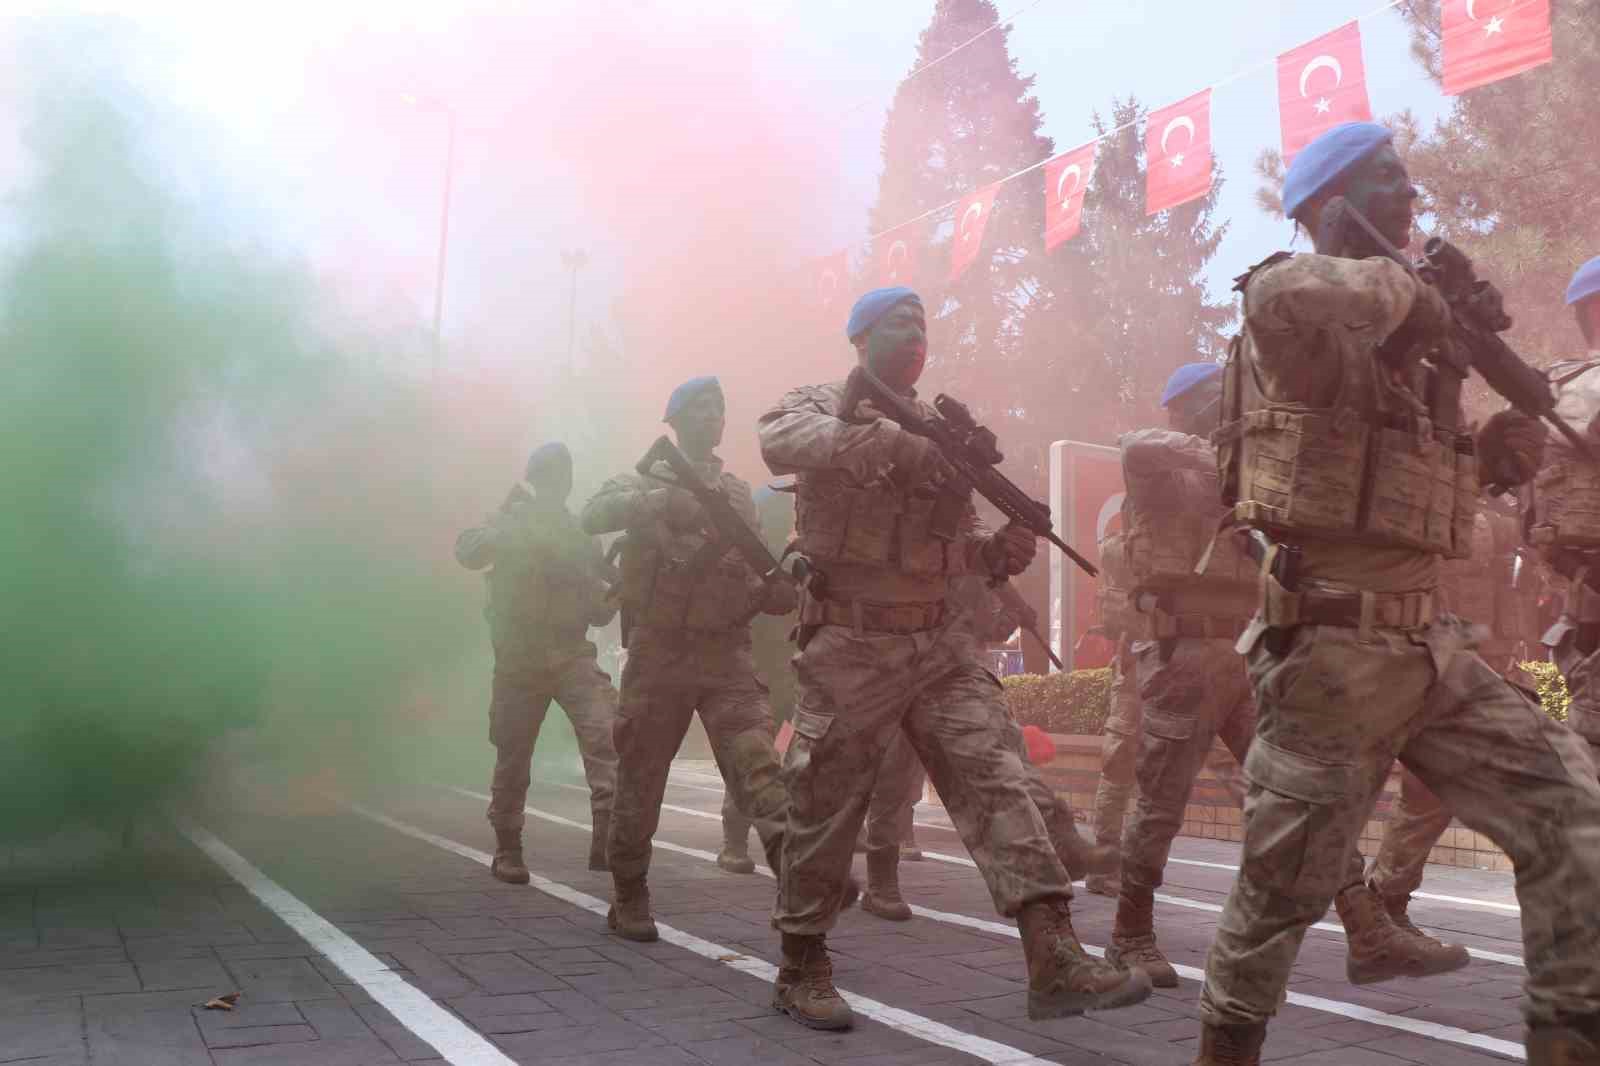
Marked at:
<point>1133,937</point>
<point>1397,907</point>
<point>735,856</point>
<point>1063,979</point>
<point>507,865</point>
<point>909,851</point>
<point>1082,856</point>
<point>1378,949</point>
<point>629,916</point>
<point>598,835</point>
<point>804,988</point>
<point>1231,1045</point>
<point>883,886</point>
<point>1559,1045</point>
<point>1109,885</point>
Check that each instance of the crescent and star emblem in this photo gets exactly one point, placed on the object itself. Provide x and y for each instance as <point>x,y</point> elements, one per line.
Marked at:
<point>1322,105</point>
<point>1063,194</point>
<point>1496,23</point>
<point>966,218</point>
<point>897,250</point>
<point>1181,122</point>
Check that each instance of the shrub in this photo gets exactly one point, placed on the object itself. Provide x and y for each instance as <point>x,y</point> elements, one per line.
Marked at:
<point>1075,702</point>
<point>1551,686</point>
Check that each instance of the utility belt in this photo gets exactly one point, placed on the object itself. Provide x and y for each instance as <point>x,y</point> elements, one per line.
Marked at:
<point>865,616</point>
<point>1580,611</point>
<point>1163,616</point>
<point>1283,604</point>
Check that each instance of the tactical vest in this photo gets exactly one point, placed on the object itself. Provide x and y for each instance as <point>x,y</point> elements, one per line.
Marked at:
<point>1166,538</point>
<point>1470,587</point>
<point>1564,506</point>
<point>879,525</point>
<point>1358,470</point>
<point>543,591</point>
<point>1111,595</point>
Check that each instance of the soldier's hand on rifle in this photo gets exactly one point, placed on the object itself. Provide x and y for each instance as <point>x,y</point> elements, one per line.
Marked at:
<point>777,597</point>
<point>1510,448</point>
<point>917,460</point>
<point>676,507</point>
<point>1011,550</point>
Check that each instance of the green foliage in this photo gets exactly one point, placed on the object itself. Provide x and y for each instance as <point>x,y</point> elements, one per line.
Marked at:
<point>1552,688</point>
<point>1075,702</point>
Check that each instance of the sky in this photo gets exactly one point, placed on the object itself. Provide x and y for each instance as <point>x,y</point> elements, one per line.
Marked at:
<point>616,126</point>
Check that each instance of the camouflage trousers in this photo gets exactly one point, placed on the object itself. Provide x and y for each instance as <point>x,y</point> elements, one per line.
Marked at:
<point>1192,690</point>
<point>517,707</point>
<point>855,694</point>
<point>1418,821</point>
<point>894,798</point>
<point>1334,711</point>
<point>1119,749</point>
<point>666,680</point>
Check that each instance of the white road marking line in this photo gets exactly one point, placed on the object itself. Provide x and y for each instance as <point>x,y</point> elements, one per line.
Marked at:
<point>1176,901</point>
<point>1431,1030</point>
<point>1465,901</point>
<point>452,1038</point>
<point>905,1021</point>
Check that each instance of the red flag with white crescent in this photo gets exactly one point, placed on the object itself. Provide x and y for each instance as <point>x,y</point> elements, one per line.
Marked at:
<point>1177,151</point>
<point>1486,40</point>
<point>828,277</point>
<point>897,254</point>
<point>1321,84</point>
<point>972,215</point>
<point>1066,177</point>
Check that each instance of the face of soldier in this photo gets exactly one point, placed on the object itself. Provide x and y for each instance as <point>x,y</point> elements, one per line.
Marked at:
<point>700,424</point>
<point>1380,188</point>
<point>1198,411</point>
<point>552,483</point>
<point>1589,320</point>
<point>896,347</point>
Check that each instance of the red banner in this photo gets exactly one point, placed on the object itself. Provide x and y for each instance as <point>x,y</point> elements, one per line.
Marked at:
<point>1486,40</point>
<point>828,277</point>
<point>972,215</point>
<point>897,254</point>
<point>1086,500</point>
<point>1321,84</point>
<point>1177,148</point>
<point>1066,177</point>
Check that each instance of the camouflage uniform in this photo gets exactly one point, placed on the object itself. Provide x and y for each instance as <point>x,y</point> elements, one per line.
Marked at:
<point>545,590</point>
<point>884,653</point>
<point>1479,590</point>
<point>1120,745</point>
<point>1329,450</point>
<point>686,613</point>
<point>1564,526</point>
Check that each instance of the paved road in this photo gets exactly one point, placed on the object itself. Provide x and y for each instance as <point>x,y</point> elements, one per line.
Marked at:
<point>375,935</point>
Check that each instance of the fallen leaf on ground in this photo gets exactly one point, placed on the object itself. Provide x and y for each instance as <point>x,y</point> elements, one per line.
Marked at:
<point>222,1002</point>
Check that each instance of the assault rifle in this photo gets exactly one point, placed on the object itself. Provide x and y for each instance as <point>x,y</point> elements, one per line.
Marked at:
<point>972,452</point>
<point>725,524</point>
<point>1477,318</point>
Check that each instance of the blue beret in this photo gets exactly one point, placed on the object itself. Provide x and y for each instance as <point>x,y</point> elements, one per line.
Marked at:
<point>686,393</point>
<point>874,305</point>
<point>1586,282</point>
<point>546,457</point>
<point>1187,377</point>
<point>1326,159</point>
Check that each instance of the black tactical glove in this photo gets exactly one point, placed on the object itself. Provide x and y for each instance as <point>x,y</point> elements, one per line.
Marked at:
<point>1510,448</point>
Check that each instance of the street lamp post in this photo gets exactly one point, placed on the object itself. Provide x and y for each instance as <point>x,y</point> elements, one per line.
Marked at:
<point>444,220</point>
<point>573,260</point>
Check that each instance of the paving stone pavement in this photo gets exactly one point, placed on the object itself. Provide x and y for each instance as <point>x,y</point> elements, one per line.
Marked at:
<point>107,951</point>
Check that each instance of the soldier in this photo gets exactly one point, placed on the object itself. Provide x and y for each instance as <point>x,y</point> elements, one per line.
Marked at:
<point>880,652</point>
<point>1191,595</point>
<point>770,648</point>
<point>545,591</point>
<point>1563,517</point>
<point>1490,590</point>
<point>1120,744</point>
<point>686,614</point>
<point>1353,481</point>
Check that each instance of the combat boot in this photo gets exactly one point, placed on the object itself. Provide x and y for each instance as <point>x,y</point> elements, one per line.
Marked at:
<point>507,865</point>
<point>804,988</point>
<point>909,851</point>
<point>1082,856</point>
<point>883,886</point>
<point>1109,885</point>
<point>1133,937</point>
<point>1559,1045</point>
<point>1231,1045</point>
<point>598,835</point>
<point>1063,979</point>
<point>1397,907</point>
<point>1378,949</point>
<point>629,916</point>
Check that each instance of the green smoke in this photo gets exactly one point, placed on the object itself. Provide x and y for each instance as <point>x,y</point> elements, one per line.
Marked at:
<point>216,529</point>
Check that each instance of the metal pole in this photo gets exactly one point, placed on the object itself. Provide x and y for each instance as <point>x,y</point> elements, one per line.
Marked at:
<point>572,316</point>
<point>444,242</point>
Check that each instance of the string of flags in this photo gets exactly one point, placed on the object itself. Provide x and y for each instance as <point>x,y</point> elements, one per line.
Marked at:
<point>1321,84</point>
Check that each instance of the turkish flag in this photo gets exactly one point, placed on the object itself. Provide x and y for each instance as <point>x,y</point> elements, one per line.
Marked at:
<point>972,214</point>
<point>1321,84</point>
<point>897,254</point>
<point>1177,153</point>
<point>1066,177</point>
<point>828,277</point>
<point>1486,40</point>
